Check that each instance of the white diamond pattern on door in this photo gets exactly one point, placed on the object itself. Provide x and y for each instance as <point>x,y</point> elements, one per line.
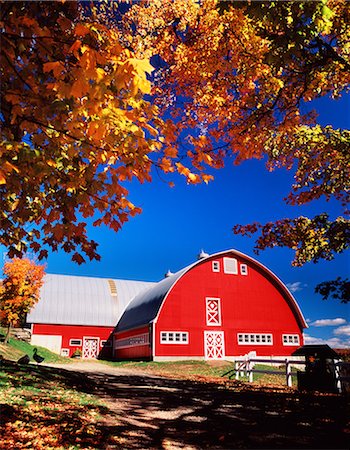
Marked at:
<point>214,344</point>
<point>90,348</point>
<point>213,311</point>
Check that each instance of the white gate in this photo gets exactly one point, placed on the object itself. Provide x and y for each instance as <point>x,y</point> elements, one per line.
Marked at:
<point>90,347</point>
<point>214,344</point>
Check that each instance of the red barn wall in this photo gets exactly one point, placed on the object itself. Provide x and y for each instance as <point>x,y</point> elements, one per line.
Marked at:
<point>69,332</point>
<point>251,303</point>
<point>133,344</point>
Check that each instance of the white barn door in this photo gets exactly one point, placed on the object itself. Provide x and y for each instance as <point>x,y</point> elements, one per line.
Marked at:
<point>214,344</point>
<point>90,347</point>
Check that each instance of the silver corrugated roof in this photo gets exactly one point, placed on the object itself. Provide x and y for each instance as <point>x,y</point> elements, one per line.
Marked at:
<point>75,300</point>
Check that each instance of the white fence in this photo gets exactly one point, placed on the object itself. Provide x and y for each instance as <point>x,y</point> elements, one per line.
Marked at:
<point>246,368</point>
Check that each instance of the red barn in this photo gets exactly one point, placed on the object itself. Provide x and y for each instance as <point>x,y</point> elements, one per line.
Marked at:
<point>80,313</point>
<point>221,307</point>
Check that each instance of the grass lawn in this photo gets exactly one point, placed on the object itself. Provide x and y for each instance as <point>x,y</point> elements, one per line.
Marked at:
<point>16,348</point>
<point>203,370</point>
<point>43,408</point>
<point>189,403</point>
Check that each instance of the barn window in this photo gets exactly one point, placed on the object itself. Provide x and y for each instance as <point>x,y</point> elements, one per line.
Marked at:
<point>244,269</point>
<point>75,342</point>
<point>230,266</point>
<point>64,352</point>
<point>177,337</point>
<point>106,344</point>
<point>290,339</point>
<point>216,266</point>
<point>213,311</point>
<point>253,338</point>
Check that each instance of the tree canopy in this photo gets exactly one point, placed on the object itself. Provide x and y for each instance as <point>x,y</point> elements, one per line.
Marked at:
<point>19,290</point>
<point>93,98</point>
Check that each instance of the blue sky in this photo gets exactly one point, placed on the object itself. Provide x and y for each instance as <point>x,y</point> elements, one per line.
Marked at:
<point>178,222</point>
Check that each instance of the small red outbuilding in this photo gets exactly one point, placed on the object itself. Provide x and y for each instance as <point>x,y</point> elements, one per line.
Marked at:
<point>223,306</point>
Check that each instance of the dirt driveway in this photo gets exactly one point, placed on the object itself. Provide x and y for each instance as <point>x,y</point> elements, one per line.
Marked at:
<point>151,412</point>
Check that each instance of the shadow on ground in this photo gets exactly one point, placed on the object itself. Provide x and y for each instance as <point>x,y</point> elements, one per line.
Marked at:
<point>156,413</point>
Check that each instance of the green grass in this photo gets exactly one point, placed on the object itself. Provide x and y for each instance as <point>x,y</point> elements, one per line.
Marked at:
<point>201,369</point>
<point>17,348</point>
<point>48,408</point>
<point>190,367</point>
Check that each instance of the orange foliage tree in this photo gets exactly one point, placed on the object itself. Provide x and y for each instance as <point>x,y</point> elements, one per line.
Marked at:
<point>19,291</point>
<point>236,77</point>
<point>75,126</point>
<point>83,111</point>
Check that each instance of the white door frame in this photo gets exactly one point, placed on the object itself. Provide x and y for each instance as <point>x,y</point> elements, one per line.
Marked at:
<point>87,338</point>
<point>214,354</point>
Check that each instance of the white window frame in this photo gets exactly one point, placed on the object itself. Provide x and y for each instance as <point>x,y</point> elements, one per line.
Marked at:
<point>244,269</point>
<point>174,337</point>
<point>228,270</point>
<point>254,339</point>
<point>207,301</point>
<point>291,339</point>
<point>75,345</point>
<point>215,266</point>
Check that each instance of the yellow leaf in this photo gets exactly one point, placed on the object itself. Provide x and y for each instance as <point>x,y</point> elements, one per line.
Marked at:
<point>193,178</point>
<point>100,73</point>
<point>182,169</point>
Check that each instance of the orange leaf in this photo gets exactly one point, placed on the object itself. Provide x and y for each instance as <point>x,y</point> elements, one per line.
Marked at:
<point>56,67</point>
<point>2,178</point>
<point>81,30</point>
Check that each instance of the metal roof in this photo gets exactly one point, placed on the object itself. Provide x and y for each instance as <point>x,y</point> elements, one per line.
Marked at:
<point>145,307</point>
<point>75,300</point>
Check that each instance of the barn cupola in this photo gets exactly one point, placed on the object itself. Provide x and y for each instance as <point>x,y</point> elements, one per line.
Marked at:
<point>168,274</point>
<point>202,255</point>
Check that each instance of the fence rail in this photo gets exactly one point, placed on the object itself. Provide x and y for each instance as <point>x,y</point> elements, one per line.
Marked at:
<point>246,368</point>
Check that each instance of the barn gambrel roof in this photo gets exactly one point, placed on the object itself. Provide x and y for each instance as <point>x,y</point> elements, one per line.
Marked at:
<point>145,307</point>
<point>76,300</point>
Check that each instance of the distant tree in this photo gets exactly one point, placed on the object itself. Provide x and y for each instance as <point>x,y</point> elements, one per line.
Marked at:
<point>19,290</point>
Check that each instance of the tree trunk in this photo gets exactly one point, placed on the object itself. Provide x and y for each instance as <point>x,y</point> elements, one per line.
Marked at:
<point>7,337</point>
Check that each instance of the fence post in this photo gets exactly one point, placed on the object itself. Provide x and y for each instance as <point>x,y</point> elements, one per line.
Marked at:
<point>288,374</point>
<point>250,371</point>
<point>337,374</point>
<point>236,369</point>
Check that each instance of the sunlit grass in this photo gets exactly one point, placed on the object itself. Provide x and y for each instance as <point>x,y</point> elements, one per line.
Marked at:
<point>16,348</point>
<point>42,412</point>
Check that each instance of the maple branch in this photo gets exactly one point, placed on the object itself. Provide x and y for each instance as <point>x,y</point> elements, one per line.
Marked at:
<point>16,72</point>
<point>37,38</point>
<point>332,54</point>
